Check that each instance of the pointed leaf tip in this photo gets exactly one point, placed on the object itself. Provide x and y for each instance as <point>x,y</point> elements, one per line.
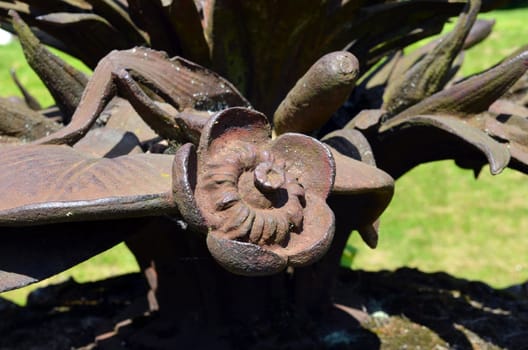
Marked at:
<point>469,97</point>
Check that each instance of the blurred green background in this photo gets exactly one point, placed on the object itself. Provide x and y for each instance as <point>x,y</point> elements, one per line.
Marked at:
<point>441,218</point>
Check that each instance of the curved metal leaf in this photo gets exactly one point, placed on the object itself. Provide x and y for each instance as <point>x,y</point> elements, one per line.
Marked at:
<point>149,16</point>
<point>179,82</point>
<point>351,143</point>
<point>514,129</point>
<point>431,73</point>
<point>481,30</point>
<point>497,153</point>
<point>122,116</point>
<point>469,97</point>
<point>228,42</point>
<point>64,82</point>
<point>108,143</point>
<point>116,13</point>
<point>46,184</point>
<point>18,120</point>
<point>360,194</point>
<point>512,125</point>
<point>29,99</point>
<point>186,23</point>
<point>382,28</point>
<point>97,35</point>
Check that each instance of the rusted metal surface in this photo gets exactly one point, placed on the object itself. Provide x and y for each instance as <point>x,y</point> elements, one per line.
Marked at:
<point>451,124</point>
<point>65,83</point>
<point>119,114</point>
<point>364,190</point>
<point>258,205</point>
<point>45,184</point>
<point>263,201</point>
<point>108,143</point>
<point>29,99</point>
<point>318,94</point>
<point>432,71</point>
<point>19,121</point>
<point>181,83</point>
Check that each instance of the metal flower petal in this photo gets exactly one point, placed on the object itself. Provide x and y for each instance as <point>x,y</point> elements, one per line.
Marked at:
<point>263,201</point>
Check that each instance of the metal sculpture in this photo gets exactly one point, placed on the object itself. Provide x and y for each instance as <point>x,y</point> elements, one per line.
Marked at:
<point>176,160</point>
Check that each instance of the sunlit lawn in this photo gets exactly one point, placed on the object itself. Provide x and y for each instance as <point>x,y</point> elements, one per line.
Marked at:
<point>441,219</point>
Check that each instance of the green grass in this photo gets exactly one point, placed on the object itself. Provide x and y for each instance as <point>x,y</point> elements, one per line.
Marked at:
<point>12,57</point>
<point>440,219</point>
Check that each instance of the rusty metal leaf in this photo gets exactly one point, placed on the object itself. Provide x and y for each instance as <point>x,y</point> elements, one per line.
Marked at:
<point>361,192</point>
<point>38,7</point>
<point>30,100</point>
<point>469,97</point>
<point>180,83</point>
<point>65,83</point>
<point>514,129</point>
<point>431,72</point>
<point>497,153</point>
<point>510,124</point>
<point>479,32</point>
<point>351,143</point>
<point>18,120</point>
<point>118,16</point>
<point>120,114</point>
<point>59,4</point>
<point>150,16</point>
<point>186,23</point>
<point>228,42</point>
<point>46,184</point>
<point>356,177</point>
<point>108,143</point>
<point>381,28</point>
<point>97,35</point>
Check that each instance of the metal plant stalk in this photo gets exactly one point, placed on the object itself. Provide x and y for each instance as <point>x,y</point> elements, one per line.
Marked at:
<point>235,145</point>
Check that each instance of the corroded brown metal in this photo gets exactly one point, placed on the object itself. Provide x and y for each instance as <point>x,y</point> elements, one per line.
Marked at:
<point>469,97</point>
<point>119,114</point>
<point>263,201</point>
<point>456,112</point>
<point>65,83</point>
<point>20,122</point>
<point>481,30</point>
<point>45,184</point>
<point>181,83</point>
<point>108,143</point>
<point>431,73</point>
<point>30,100</point>
<point>358,181</point>
<point>318,94</point>
<point>507,120</point>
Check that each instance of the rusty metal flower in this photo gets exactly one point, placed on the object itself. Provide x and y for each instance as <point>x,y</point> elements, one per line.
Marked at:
<point>263,201</point>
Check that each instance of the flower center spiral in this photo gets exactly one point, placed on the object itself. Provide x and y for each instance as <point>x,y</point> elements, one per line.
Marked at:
<point>253,197</point>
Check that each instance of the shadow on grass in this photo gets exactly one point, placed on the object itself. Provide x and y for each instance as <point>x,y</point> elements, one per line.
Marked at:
<point>464,314</point>
<point>375,310</point>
